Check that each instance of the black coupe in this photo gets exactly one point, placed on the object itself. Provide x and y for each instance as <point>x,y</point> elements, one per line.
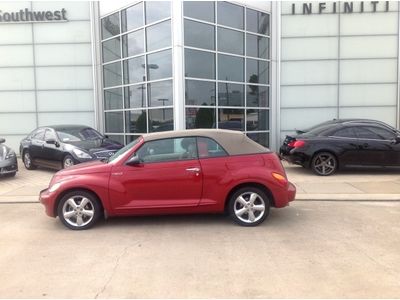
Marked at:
<point>62,146</point>
<point>343,144</point>
<point>8,160</point>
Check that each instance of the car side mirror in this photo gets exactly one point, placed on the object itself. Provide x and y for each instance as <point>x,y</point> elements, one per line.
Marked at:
<point>134,161</point>
<point>396,140</point>
<point>52,142</point>
<point>2,140</point>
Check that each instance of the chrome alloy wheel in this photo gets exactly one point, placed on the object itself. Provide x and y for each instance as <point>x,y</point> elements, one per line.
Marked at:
<point>68,162</point>
<point>249,207</point>
<point>78,211</point>
<point>27,160</point>
<point>325,164</point>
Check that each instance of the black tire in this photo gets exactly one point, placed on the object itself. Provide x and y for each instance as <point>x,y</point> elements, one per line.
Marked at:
<point>245,213</point>
<point>28,162</point>
<point>324,164</point>
<point>71,213</point>
<point>68,161</point>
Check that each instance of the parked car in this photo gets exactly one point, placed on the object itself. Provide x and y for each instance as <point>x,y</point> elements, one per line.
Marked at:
<point>337,145</point>
<point>173,172</point>
<point>62,146</point>
<point>8,160</point>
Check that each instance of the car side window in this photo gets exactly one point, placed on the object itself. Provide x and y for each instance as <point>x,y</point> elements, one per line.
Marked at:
<point>38,135</point>
<point>365,133</point>
<point>345,132</point>
<point>164,150</point>
<point>383,133</point>
<point>209,148</point>
<point>50,135</point>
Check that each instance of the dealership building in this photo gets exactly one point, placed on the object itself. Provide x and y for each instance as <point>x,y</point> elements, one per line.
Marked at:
<point>131,67</point>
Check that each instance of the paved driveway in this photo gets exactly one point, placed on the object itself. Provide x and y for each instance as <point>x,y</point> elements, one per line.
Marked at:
<point>308,250</point>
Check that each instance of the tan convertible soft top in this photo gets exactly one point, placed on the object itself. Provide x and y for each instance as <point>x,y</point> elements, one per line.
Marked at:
<point>234,142</point>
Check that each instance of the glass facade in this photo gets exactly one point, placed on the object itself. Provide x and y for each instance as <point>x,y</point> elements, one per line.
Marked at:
<point>227,68</point>
<point>137,70</point>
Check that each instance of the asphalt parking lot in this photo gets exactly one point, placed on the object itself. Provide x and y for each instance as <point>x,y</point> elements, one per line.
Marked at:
<point>312,249</point>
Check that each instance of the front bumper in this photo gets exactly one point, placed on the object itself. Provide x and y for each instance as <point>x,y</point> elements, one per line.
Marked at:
<point>48,200</point>
<point>8,166</point>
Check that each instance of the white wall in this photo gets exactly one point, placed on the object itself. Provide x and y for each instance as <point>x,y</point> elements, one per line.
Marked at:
<point>46,74</point>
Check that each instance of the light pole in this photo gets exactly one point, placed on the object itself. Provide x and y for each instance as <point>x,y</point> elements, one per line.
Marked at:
<point>163,104</point>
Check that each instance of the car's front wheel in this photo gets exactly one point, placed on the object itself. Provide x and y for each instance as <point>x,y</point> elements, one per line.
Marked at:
<point>68,161</point>
<point>249,206</point>
<point>324,164</point>
<point>79,210</point>
<point>27,159</point>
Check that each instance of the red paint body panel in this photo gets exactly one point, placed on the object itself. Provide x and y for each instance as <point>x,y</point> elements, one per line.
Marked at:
<point>170,187</point>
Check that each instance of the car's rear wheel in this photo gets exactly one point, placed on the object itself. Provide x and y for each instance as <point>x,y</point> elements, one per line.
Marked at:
<point>79,210</point>
<point>324,164</point>
<point>68,161</point>
<point>249,206</point>
<point>27,159</point>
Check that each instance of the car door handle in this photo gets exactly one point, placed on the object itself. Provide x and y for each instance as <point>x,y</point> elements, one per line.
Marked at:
<point>194,170</point>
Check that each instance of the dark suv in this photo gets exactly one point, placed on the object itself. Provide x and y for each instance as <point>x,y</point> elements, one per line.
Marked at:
<point>62,146</point>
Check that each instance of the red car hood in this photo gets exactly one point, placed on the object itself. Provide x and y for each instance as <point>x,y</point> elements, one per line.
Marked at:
<point>86,168</point>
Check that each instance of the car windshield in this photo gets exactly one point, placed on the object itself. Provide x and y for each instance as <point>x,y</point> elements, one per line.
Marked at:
<point>78,134</point>
<point>123,150</point>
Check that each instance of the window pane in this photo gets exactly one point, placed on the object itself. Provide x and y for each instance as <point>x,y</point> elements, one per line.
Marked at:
<point>157,10</point>
<point>112,74</point>
<point>230,15</point>
<point>199,92</point>
<point>257,46</point>
<point>199,35</point>
<point>230,68</point>
<point>114,122</point>
<point>257,96</point>
<point>230,41</point>
<point>383,134</point>
<point>232,119</point>
<point>230,94</point>
<point>257,22</point>
<point>132,17</point>
<point>159,65</point>
<point>199,64</point>
<point>160,93</point>
<point>161,120</point>
<point>209,148</point>
<point>110,26</point>
<point>117,138</point>
<point>200,118</point>
<point>158,36</point>
<point>257,120</point>
<point>257,71</point>
<point>133,43</point>
<point>202,10</point>
<point>136,121</point>
<point>261,138</point>
<point>131,138</point>
<point>364,133</point>
<point>111,50</point>
<point>113,99</point>
<point>134,70</point>
<point>135,96</point>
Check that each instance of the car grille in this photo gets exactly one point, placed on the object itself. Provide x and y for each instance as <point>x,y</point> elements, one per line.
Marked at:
<point>104,154</point>
<point>8,169</point>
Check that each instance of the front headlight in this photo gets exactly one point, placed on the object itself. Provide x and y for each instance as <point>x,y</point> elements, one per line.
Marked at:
<point>81,154</point>
<point>10,154</point>
<point>54,187</point>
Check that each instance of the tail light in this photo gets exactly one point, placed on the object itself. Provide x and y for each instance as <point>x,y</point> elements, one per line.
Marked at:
<point>296,144</point>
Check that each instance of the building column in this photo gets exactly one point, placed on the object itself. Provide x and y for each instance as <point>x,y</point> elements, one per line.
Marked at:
<point>275,101</point>
<point>178,65</point>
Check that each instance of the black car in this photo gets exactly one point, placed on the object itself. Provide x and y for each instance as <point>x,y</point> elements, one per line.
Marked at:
<point>8,160</point>
<point>62,146</point>
<point>338,145</point>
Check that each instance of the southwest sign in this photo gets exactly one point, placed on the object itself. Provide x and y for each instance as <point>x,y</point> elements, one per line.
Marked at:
<point>29,16</point>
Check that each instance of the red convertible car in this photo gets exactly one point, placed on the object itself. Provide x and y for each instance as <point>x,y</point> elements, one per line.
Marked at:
<point>175,172</point>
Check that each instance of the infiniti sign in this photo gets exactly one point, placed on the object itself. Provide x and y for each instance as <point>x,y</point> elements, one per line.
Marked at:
<point>29,16</point>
